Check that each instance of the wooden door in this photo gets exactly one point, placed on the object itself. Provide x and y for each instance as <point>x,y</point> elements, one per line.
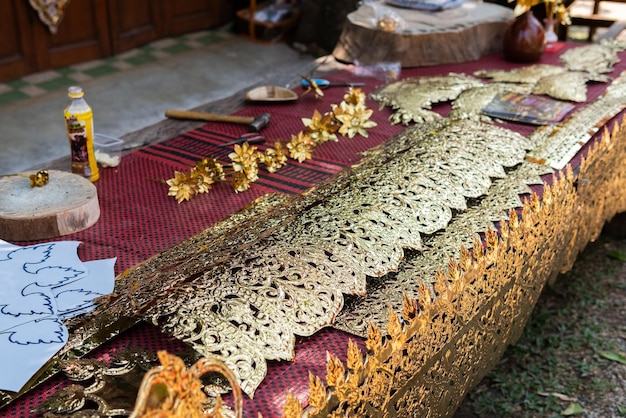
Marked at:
<point>134,23</point>
<point>94,29</point>
<point>16,54</point>
<point>184,16</point>
<point>82,35</point>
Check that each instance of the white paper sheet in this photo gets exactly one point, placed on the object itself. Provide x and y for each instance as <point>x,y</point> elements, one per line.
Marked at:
<point>40,285</point>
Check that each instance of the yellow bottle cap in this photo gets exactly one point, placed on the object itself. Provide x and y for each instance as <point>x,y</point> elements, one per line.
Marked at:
<point>75,92</point>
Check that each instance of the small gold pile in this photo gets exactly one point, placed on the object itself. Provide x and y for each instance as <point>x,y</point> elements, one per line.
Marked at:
<point>39,179</point>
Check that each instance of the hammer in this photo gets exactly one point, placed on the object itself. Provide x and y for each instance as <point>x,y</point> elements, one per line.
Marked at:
<point>255,124</point>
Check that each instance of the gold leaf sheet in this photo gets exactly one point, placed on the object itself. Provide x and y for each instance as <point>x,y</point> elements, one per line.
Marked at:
<point>595,58</point>
<point>556,144</point>
<point>412,97</point>
<point>470,103</point>
<point>419,269</point>
<point>530,74</point>
<point>571,86</point>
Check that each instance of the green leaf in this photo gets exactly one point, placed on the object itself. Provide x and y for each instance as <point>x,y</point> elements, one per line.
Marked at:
<point>618,357</point>
<point>573,409</point>
<point>621,409</point>
<point>617,256</point>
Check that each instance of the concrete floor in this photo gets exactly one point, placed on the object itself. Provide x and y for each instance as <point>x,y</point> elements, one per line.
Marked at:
<point>33,130</point>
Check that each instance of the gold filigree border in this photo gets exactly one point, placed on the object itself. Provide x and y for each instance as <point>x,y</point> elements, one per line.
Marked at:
<point>439,347</point>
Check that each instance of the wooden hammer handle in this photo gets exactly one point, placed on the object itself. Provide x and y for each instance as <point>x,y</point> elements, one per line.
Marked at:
<point>209,117</point>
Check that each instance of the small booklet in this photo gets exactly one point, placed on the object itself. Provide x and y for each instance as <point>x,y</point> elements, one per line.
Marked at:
<point>527,108</point>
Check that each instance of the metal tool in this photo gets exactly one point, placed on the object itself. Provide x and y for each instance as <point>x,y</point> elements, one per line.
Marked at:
<point>323,83</point>
<point>255,124</point>
<point>250,137</point>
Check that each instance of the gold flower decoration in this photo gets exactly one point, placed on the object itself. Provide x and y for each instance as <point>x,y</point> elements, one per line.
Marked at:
<point>350,118</point>
<point>555,9</point>
<point>39,179</point>
<point>182,186</point>
<point>205,173</point>
<point>353,119</point>
<point>354,96</point>
<point>301,147</point>
<point>241,182</point>
<point>321,128</point>
<point>313,86</point>
<point>245,159</point>
<point>211,167</point>
<point>274,158</point>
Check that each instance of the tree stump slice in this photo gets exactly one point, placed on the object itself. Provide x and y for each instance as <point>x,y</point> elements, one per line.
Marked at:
<point>448,36</point>
<point>67,204</point>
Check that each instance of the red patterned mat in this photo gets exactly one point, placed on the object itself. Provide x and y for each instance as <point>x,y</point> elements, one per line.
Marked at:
<point>139,220</point>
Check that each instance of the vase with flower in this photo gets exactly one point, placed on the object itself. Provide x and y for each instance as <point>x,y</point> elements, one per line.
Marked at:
<point>525,38</point>
<point>556,12</point>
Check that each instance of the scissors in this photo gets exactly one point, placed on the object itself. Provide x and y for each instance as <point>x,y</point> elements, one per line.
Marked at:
<point>322,83</point>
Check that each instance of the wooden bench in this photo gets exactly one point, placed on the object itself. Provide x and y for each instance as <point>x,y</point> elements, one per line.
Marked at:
<point>597,20</point>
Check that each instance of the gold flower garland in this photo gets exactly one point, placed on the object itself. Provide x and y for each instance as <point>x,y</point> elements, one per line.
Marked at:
<point>350,118</point>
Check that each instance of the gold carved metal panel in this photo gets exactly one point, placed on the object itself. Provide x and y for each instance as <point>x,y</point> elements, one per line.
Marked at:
<point>438,343</point>
<point>243,290</point>
<point>249,307</point>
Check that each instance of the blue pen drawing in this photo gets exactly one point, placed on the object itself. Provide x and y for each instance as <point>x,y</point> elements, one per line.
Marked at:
<point>40,331</point>
<point>75,300</point>
<point>26,255</point>
<point>40,285</point>
<point>55,275</point>
<point>30,301</point>
<point>31,275</point>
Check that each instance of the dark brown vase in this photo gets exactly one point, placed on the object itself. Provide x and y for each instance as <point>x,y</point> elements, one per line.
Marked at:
<point>524,39</point>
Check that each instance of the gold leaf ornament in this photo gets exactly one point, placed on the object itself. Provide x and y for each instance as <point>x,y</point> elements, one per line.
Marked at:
<point>275,158</point>
<point>354,96</point>
<point>321,128</point>
<point>182,187</point>
<point>312,86</point>
<point>172,390</point>
<point>353,119</point>
<point>412,98</point>
<point>301,146</point>
<point>241,183</point>
<point>245,160</point>
<point>198,179</point>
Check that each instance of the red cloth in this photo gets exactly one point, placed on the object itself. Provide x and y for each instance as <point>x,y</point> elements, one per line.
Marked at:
<point>139,220</point>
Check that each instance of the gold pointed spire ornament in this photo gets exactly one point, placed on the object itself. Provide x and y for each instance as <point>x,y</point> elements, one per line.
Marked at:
<point>172,390</point>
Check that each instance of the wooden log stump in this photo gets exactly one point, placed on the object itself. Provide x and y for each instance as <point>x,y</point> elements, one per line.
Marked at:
<point>449,36</point>
<point>67,204</point>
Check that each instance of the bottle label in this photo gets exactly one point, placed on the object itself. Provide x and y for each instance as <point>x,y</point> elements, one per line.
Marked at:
<point>80,133</point>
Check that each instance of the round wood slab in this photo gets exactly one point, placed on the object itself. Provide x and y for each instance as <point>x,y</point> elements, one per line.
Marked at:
<point>449,36</point>
<point>67,204</point>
